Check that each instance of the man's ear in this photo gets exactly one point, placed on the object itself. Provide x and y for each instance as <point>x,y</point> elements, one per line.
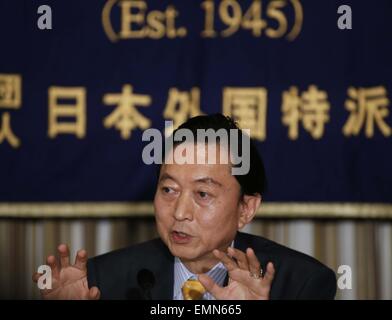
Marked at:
<point>248,207</point>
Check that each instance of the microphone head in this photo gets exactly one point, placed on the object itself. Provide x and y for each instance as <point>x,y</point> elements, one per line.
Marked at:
<point>145,279</point>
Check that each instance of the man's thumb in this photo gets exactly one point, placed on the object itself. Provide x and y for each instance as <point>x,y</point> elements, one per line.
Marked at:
<point>211,286</point>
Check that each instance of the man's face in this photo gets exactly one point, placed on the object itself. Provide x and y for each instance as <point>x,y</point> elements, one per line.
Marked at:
<point>197,208</point>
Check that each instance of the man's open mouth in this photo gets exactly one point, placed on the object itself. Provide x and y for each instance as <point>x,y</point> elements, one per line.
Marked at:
<point>180,237</point>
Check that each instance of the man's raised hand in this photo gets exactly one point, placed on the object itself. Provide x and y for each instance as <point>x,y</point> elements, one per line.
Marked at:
<point>69,282</point>
<point>246,281</point>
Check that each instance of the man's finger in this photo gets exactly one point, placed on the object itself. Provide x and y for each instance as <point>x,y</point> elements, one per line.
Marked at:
<point>94,293</point>
<point>229,263</point>
<point>240,256</point>
<point>36,276</point>
<point>52,263</point>
<point>64,255</point>
<point>254,264</point>
<point>270,273</point>
<point>81,260</point>
<point>211,286</point>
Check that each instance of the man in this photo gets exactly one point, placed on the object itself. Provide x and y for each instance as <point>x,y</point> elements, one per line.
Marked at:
<point>199,209</point>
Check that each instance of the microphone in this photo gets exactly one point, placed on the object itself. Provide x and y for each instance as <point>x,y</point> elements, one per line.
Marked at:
<point>146,281</point>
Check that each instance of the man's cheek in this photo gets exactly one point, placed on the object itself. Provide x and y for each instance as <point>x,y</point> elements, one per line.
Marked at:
<point>208,218</point>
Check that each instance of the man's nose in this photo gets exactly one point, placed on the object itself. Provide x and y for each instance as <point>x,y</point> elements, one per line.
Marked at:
<point>183,209</point>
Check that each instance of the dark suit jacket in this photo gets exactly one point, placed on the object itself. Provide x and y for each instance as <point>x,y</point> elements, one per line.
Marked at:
<point>297,275</point>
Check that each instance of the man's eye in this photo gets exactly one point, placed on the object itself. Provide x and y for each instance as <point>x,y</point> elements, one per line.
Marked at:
<point>203,194</point>
<point>166,190</point>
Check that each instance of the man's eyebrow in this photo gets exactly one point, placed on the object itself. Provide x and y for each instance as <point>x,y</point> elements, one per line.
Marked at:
<point>208,180</point>
<point>166,176</point>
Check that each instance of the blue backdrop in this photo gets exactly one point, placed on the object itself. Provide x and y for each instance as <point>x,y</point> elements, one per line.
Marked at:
<point>292,69</point>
